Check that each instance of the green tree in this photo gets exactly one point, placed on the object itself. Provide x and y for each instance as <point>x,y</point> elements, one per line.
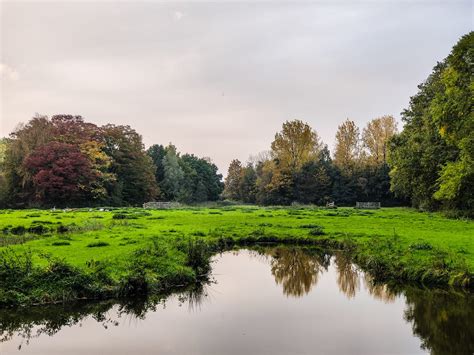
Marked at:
<point>173,174</point>
<point>247,184</point>
<point>157,152</point>
<point>432,158</point>
<point>131,165</point>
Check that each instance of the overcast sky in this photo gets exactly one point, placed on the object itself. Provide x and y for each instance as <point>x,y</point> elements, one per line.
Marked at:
<point>219,78</point>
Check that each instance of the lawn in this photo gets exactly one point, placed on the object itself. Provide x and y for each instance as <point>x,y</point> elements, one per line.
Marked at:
<point>122,251</point>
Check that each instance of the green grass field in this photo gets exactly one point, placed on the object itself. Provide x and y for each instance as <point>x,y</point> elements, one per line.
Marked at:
<point>128,249</point>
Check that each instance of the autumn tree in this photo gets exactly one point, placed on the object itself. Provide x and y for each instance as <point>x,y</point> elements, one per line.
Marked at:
<point>296,144</point>
<point>61,174</point>
<point>347,151</point>
<point>375,138</point>
<point>23,141</point>
<point>233,180</point>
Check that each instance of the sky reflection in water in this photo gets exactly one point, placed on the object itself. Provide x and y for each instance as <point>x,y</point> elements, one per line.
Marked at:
<point>271,301</point>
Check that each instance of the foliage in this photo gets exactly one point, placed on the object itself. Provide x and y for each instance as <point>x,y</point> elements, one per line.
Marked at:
<point>347,153</point>
<point>433,157</point>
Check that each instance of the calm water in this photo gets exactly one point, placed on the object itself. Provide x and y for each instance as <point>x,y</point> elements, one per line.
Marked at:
<point>276,301</point>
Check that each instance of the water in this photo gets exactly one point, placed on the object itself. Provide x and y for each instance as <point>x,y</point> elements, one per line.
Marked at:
<point>275,301</point>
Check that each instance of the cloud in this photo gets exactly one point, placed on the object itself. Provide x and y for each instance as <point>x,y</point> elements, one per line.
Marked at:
<point>8,73</point>
<point>178,15</point>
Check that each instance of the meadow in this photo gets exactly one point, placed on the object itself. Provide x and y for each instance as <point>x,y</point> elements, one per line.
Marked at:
<point>49,256</point>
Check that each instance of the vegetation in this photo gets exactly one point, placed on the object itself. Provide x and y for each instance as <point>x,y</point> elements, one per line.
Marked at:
<point>299,168</point>
<point>92,254</point>
<point>66,161</point>
<point>297,270</point>
<point>432,160</point>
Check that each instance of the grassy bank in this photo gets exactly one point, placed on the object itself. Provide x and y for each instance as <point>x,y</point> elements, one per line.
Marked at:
<point>50,256</point>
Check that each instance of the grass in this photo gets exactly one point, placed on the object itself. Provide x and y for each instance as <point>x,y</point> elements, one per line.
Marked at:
<point>127,251</point>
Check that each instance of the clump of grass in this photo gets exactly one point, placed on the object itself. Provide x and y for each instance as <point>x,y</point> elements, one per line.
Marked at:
<point>62,229</point>
<point>124,216</point>
<point>197,256</point>
<point>318,230</point>
<point>128,242</point>
<point>310,226</point>
<point>199,234</point>
<point>60,243</point>
<point>421,246</point>
<point>38,229</point>
<point>97,244</point>
<point>18,230</point>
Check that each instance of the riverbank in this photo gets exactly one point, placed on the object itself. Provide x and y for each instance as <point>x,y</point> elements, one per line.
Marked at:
<point>55,256</point>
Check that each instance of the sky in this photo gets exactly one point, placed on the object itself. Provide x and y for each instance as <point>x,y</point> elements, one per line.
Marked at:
<point>218,79</point>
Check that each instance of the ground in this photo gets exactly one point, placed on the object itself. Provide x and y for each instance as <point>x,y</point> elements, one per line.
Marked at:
<point>105,253</point>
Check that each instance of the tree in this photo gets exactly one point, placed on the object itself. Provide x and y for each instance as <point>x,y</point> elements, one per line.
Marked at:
<point>432,158</point>
<point>296,144</point>
<point>247,184</point>
<point>61,174</point>
<point>157,152</point>
<point>131,165</point>
<point>347,153</point>
<point>173,174</point>
<point>19,189</point>
<point>233,180</point>
<point>313,183</point>
<point>201,180</point>
<point>376,136</point>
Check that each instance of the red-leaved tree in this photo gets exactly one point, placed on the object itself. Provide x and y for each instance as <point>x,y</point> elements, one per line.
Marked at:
<point>61,173</point>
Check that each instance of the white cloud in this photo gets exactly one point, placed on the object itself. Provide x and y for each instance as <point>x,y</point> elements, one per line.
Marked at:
<point>7,72</point>
<point>178,15</point>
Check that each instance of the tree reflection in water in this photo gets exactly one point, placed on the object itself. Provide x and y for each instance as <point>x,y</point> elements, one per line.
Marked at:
<point>443,320</point>
<point>297,269</point>
<point>347,275</point>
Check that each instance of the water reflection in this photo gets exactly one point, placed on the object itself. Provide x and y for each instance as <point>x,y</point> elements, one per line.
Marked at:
<point>442,320</point>
<point>297,269</point>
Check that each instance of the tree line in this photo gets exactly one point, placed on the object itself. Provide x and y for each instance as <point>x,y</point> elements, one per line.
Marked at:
<point>429,164</point>
<point>66,161</point>
<point>299,167</point>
